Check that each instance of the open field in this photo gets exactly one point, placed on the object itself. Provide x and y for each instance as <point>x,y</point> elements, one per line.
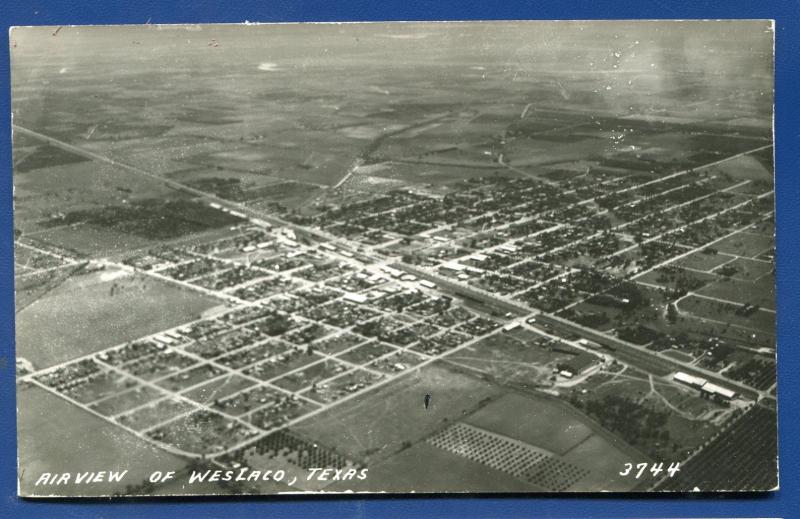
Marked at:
<point>435,174</point>
<point>720,314</point>
<point>45,421</point>
<point>539,422</point>
<point>600,459</point>
<point>117,307</point>
<point>519,357</point>
<point>745,244</point>
<point>90,241</point>
<point>760,292</point>
<point>703,261</point>
<point>375,426</point>
<point>746,168</point>
<point>751,270</point>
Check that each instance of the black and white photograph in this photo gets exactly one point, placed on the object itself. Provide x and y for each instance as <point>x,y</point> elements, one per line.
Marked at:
<point>394,257</point>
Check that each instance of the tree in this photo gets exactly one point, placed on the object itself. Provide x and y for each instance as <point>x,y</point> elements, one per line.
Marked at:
<point>672,313</point>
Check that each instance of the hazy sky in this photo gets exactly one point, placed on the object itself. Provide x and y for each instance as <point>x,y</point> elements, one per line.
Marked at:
<point>641,58</point>
<point>587,46</point>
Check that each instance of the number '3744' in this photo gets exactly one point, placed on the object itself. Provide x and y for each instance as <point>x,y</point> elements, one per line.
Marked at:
<point>639,469</point>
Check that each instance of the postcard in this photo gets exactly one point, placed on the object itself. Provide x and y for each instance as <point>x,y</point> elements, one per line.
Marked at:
<point>407,257</point>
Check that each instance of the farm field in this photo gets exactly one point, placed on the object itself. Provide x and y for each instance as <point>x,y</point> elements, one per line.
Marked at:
<point>47,191</point>
<point>424,468</point>
<point>753,445</point>
<point>554,426</point>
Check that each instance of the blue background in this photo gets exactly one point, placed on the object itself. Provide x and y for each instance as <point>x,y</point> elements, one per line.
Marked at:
<point>780,504</point>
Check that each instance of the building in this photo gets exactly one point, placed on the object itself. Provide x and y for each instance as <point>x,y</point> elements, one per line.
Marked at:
<point>24,366</point>
<point>395,273</point>
<point>163,339</point>
<point>454,266</point>
<point>355,298</point>
<point>706,388</point>
<point>586,343</point>
<point>689,380</point>
<point>260,223</point>
<point>716,392</point>
<point>577,365</point>
<point>511,326</point>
